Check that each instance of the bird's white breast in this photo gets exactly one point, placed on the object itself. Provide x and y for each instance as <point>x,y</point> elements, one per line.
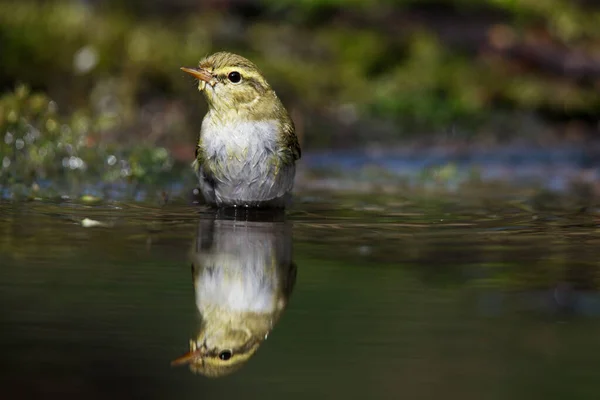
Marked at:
<point>236,285</point>
<point>244,161</point>
<point>247,139</point>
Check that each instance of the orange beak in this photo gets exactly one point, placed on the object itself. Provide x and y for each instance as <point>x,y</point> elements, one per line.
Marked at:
<point>199,74</point>
<point>187,358</point>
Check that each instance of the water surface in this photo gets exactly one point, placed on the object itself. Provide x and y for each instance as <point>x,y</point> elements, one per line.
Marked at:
<point>415,298</point>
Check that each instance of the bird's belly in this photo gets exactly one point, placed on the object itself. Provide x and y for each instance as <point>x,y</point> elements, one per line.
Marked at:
<point>237,286</point>
<point>237,179</point>
<point>241,164</point>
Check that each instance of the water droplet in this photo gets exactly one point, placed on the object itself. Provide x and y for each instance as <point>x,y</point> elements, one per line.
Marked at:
<point>85,59</point>
<point>8,138</point>
<point>75,162</point>
<point>111,160</point>
<point>19,143</point>
<point>5,162</point>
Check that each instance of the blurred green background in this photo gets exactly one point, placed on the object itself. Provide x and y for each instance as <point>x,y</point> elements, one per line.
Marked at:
<point>94,88</point>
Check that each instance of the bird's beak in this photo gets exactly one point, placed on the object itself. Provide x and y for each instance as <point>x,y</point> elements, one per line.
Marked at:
<point>200,74</point>
<point>194,353</point>
<point>187,358</point>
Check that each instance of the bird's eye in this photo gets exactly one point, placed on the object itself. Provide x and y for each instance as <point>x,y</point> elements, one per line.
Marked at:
<point>225,355</point>
<point>234,77</point>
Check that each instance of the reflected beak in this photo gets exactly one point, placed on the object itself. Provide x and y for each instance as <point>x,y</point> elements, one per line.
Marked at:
<point>186,358</point>
<point>200,74</point>
<point>194,353</point>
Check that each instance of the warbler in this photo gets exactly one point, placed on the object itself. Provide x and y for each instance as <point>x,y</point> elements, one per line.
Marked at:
<point>247,148</point>
<point>243,276</point>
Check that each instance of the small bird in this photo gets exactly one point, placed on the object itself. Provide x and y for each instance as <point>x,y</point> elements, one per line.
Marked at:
<point>247,149</point>
<point>243,276</point>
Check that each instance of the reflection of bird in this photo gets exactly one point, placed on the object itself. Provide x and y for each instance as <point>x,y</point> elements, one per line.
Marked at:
<point>243,276</point>
<point>247,148</point>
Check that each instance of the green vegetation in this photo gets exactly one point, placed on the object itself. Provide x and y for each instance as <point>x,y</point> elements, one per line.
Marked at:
<point>42,153</point>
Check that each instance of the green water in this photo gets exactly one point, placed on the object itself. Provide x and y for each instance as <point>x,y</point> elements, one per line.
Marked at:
<point>416,299</point>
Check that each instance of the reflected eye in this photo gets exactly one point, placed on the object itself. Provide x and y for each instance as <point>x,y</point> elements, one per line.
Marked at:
<point>234,77</point>
<point>225,354</point>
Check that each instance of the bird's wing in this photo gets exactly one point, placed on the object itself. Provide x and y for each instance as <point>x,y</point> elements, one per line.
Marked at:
<point>291,144</point>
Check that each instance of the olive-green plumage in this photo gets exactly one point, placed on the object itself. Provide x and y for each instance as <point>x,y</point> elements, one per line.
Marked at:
<point>247,147</point>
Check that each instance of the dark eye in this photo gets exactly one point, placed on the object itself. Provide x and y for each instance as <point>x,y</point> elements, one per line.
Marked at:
<point>225,354</point>
<point>234,77</point>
